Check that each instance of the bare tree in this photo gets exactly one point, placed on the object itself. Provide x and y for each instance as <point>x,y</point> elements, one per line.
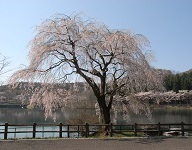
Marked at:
<point>3,64</point>
<point>111,62</point>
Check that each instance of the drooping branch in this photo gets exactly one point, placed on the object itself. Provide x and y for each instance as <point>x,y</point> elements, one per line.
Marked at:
<point>111,62</point>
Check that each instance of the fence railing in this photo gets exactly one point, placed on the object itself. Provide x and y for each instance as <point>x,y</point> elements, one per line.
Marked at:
<point>60,130</point>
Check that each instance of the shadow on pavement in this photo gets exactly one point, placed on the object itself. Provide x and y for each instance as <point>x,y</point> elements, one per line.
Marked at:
<point>146,140</point>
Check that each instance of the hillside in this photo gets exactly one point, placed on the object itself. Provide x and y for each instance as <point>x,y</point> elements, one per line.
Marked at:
<point>10,94</point>
<point>13,94</point>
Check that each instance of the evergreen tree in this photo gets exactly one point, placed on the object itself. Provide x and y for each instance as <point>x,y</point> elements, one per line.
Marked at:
<point>168,82</point>
<point>177,83</point>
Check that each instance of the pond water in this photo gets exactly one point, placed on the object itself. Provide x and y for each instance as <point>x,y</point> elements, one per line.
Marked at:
<point>163,116</point>
<point>26,116</point>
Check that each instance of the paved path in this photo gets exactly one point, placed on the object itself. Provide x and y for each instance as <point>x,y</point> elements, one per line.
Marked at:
<point>183,143</point>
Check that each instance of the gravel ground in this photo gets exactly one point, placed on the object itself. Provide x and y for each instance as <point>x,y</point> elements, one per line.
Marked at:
<point>179,143</point>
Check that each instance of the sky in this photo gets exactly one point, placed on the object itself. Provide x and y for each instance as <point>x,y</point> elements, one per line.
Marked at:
<point>166,23</point>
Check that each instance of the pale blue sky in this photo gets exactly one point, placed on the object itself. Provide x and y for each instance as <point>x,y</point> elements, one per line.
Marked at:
<point>166,23</point>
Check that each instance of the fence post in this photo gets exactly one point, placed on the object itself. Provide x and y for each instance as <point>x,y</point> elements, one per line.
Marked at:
<point>60,130</point>
<point>135,129</point>
<point>6,131</point>
<point>15,133</point>
<point>86,130</point>
<point>159,129</point>
<point>182,128</point>
<point>78,130</point>
<point>68,132</point>
<point>34,129</point>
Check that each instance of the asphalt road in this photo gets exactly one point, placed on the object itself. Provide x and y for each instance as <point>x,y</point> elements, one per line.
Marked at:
<point>179,143</point>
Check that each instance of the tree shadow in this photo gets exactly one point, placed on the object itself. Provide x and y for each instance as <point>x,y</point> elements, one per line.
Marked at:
<point>150,140</point>
<point>143,140</point>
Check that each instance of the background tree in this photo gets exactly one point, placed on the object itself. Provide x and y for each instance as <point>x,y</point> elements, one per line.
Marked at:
<point>185,82</point>
<point>170,97</point>
<point>111,62</point>
<point>176,82</point>
<point>3,64</point>
<point>168,82</point>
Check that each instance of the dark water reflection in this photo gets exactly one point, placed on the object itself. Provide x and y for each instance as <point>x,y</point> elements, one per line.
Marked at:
<point>25,116</point>
<point>164,116</point>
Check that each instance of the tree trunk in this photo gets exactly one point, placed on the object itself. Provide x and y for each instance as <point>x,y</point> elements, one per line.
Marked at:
<point>105,119</point>
<point>105,116</point>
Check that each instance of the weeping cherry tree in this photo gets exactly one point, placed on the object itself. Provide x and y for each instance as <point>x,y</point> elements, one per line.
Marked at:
<point>112,63</point>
